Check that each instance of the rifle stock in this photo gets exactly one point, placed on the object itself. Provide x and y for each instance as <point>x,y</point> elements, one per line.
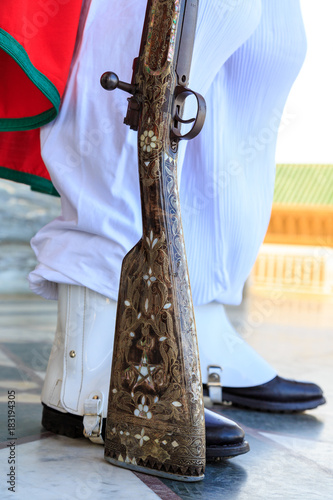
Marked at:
<point>155,420</point>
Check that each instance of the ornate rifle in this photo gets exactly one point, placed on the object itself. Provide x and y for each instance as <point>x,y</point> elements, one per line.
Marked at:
<point>155,420</point>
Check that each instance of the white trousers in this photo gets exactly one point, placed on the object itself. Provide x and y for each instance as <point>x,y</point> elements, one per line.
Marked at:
<point>247,55</point>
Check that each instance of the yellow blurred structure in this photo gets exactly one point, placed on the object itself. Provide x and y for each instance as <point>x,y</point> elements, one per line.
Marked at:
<point>301,225</point>
<point>297,254</point>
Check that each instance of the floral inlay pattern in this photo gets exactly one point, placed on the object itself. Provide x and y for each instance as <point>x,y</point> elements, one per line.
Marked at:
<point>143,410</point>
<point>148,141</point>
<point>149,278</point>
<point>142,437</point>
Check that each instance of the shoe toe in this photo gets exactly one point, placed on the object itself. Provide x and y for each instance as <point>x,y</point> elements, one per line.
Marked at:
<point>299,391</point>
<point>221,431</point>
<point>279,394</point>
<point>284,390</point>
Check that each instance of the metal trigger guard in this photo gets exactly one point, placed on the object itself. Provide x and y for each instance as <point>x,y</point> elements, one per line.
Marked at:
<point>181,95</point>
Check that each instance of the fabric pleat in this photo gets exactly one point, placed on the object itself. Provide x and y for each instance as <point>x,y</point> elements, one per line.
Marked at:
<point>228,176</point>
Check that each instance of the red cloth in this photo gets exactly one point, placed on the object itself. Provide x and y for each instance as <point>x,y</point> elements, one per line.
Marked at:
<point>37,39</point>
<point>20,152</point>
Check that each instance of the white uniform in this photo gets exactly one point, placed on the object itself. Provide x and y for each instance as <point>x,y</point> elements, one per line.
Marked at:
<point>247,55</point>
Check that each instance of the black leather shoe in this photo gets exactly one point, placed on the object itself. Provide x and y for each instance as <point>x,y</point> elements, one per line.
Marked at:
<point>278,395</point>
<point>224,438</point>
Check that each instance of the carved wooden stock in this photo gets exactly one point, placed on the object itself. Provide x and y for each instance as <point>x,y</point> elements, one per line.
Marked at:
<point>155,418</point>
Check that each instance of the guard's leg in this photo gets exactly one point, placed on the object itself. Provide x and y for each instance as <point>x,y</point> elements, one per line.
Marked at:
<point>78,373</point>
<point>234,372</point>
<point>76,387</point>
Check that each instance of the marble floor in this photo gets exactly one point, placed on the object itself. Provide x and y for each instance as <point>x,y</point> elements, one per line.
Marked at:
<point>291,455</point>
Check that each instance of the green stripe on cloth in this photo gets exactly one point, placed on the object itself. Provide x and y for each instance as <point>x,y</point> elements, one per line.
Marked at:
<point>34,181</point>
<point>17,52</point>
<point>298,184</point>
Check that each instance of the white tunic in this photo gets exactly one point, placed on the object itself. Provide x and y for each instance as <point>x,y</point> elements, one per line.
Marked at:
<point>247,55</point>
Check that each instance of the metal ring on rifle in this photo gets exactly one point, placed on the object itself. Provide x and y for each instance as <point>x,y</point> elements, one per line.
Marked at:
<point>181,95</point>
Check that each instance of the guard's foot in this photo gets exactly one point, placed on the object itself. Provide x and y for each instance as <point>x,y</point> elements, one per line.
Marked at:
<point>224,438</point>
<point>277,395</point>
